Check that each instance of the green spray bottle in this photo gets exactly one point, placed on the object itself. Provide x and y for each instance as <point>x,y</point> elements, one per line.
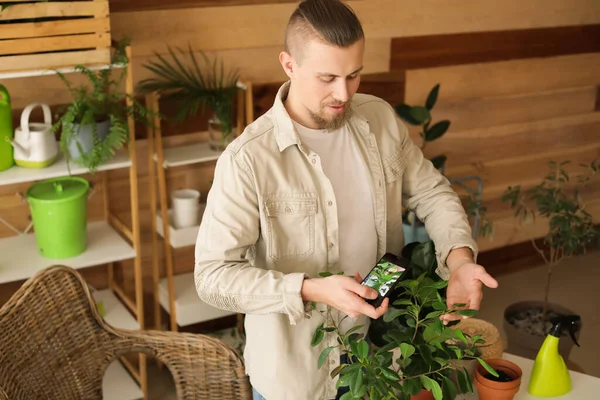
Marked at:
<point>6,130</point>
<point>550,376</point>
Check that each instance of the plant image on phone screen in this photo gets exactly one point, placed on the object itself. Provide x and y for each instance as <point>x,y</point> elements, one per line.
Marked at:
<point>384,276</point>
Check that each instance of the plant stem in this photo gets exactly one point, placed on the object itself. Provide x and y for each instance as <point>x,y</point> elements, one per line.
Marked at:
<point>428,373</point>
<point>539,251</point>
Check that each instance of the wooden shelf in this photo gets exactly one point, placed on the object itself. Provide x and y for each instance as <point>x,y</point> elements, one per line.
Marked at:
<point>179,237</point>
<point>115,312</point>
<point>188,154</point>
<point>43,72</point>
<point>117,384</point>
<point>19,257</point>
<point>190,309</point>
<point>59,168</point>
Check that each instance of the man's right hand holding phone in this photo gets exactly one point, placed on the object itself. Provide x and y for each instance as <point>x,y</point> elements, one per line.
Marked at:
<point>344,294</point>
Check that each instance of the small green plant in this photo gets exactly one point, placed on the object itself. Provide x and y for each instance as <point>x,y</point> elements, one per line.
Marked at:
<point>429,350</point>
<point>100,100</point>
<point>571,228</point>
<point>192,87</point>
<point>421,115</point>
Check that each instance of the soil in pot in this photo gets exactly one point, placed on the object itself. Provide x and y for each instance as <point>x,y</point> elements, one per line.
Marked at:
<point>503,387</point>
<point>526,330</point>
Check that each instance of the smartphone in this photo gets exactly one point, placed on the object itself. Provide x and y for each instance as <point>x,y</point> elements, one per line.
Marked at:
<point>388,271</point>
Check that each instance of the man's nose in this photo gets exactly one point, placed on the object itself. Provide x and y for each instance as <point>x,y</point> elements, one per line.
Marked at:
<point>341,93</point>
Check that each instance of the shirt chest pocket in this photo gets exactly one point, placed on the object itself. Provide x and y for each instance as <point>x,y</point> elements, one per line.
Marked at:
<point>291,226</point>
<point>393,167</point>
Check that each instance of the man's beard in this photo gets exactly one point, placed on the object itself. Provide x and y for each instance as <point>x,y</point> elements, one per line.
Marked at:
<point>334,123</point>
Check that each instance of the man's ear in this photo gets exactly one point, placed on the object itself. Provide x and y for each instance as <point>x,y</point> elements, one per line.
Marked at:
<point>287,63</point>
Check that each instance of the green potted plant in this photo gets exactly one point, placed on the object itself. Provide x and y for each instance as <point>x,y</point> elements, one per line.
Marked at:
<point>95,124</point>
<point>183,80</point>
<point>412,351</point>
<point>414,229</point>
<point>570,231</point>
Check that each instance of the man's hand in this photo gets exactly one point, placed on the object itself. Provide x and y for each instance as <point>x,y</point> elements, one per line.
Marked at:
<point>466,282</point>
<point>344,294</point>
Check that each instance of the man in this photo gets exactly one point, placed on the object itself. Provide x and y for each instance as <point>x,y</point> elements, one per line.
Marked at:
<point>317,184</point>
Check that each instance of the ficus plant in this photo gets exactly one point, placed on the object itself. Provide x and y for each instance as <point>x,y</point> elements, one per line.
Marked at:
<point>429,351</point>
<point>571,229</point>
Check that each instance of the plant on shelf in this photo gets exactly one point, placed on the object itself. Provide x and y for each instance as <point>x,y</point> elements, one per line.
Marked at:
<point>183,80</point>
<point>429,351</point>
<point>422,116</point>
<point>95,124</point>
<point>570,229</point>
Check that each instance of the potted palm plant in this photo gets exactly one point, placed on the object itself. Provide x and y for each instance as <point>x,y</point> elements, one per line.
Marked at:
<point>94,125</point>
<point>184,81</point>
<point>571,230</point>
<point>414,229</point>
<point>412,353</point>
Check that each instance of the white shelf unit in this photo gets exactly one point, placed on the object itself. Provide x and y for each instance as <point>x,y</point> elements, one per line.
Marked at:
<point>108,241</point>
<point>176,294</point>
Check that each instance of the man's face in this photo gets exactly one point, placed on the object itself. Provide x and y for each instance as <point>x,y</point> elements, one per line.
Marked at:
<point>324,79</point>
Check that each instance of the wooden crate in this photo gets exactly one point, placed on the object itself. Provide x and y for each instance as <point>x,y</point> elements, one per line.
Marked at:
<point>54,34</point>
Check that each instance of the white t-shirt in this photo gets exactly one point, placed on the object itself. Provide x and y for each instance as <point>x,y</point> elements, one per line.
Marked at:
<point>348,174</point>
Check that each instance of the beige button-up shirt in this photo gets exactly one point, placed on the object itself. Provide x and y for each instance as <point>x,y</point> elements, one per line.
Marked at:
<point>271,221</point>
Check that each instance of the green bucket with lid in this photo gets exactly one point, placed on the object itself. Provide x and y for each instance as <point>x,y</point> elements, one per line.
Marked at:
<point>59,213</point>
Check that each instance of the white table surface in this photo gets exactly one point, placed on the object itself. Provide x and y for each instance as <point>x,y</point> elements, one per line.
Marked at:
<point>583,387</point>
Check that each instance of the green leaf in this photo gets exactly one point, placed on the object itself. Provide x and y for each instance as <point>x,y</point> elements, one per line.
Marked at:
<point>337,370</point>
<point>403,111</point>
<point>353,329</point>
<point>412,386</point>
<point>468,378</point>
<point>458,305</point>
<point>403,302</point>
<point>434,314</point>
<point>361,392</point>
<point>329,329</point>
<point>393,313</point>
<point>461,336</point>
<point>317,336</point>
<point>462,381</point>
<point>427,382</point>
<point>487,367</point>
<point>420,114</point>
<point>432,97</point>
<point>449,388</point>
<point>356,382</point>
<point>467,313</point>
<point>439,161</point>
<point>437,130</point>
<point>390,374</point>
<point>325,274</point>
<point>437,390</point>
<point>439,306</point>
<point>347,396</point>
<point>411,322</point>
<point>362,349</point>
<point>407,350</point>
<point>324,354</point>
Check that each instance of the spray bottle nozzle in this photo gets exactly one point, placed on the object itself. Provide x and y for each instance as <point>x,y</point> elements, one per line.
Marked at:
<point>568,323</point>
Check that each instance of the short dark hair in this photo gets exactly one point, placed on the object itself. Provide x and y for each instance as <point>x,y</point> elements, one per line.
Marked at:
<point>329,20</point>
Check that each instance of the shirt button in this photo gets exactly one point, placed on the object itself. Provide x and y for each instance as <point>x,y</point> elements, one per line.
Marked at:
<point>330,203</point>
<point>314,161</point>
<point>288,210</point>
<point>331,362</point>
<point>330,245</point>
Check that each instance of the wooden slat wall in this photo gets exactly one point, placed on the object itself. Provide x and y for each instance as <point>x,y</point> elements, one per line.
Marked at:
<point>402,35</point>
<point>509,119</point>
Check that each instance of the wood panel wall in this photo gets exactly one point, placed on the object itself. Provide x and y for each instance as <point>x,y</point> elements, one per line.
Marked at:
<point>410,45</point>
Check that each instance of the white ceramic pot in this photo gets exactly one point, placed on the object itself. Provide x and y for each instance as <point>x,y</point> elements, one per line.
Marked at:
<point>186,208</point>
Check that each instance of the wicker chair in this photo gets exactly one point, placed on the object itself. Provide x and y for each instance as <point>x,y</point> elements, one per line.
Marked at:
<point>55,345</point>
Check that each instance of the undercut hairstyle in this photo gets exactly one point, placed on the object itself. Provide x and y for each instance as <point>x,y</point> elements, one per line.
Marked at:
<point>330,21</point>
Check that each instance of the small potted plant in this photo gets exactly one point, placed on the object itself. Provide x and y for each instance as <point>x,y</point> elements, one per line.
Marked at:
<point>414,229</point>
<point>413,353</point>
<point>94,125</point>
<point>502,386</point>
<point>192,87</point>
<point>570,231</point>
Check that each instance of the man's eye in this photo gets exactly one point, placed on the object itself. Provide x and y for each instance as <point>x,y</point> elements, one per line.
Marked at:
<point>327,79</point>
<point>353,76</point>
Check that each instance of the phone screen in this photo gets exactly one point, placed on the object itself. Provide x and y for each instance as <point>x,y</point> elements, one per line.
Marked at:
<point>384,276</point>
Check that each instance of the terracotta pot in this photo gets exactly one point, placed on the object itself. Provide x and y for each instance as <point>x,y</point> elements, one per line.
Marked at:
<point>523,344</point>
<point>423,395</point>
<point>488,389</point>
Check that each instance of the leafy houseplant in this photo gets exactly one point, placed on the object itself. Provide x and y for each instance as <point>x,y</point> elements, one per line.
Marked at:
<point>183,81</point>
<point>570,229</point>
<point>422,116</point>
<point>94,125</point>
<point>429,349</point>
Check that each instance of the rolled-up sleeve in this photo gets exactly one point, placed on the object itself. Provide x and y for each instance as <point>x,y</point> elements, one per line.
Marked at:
<point>429,194</point>
<point>230,226</point>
